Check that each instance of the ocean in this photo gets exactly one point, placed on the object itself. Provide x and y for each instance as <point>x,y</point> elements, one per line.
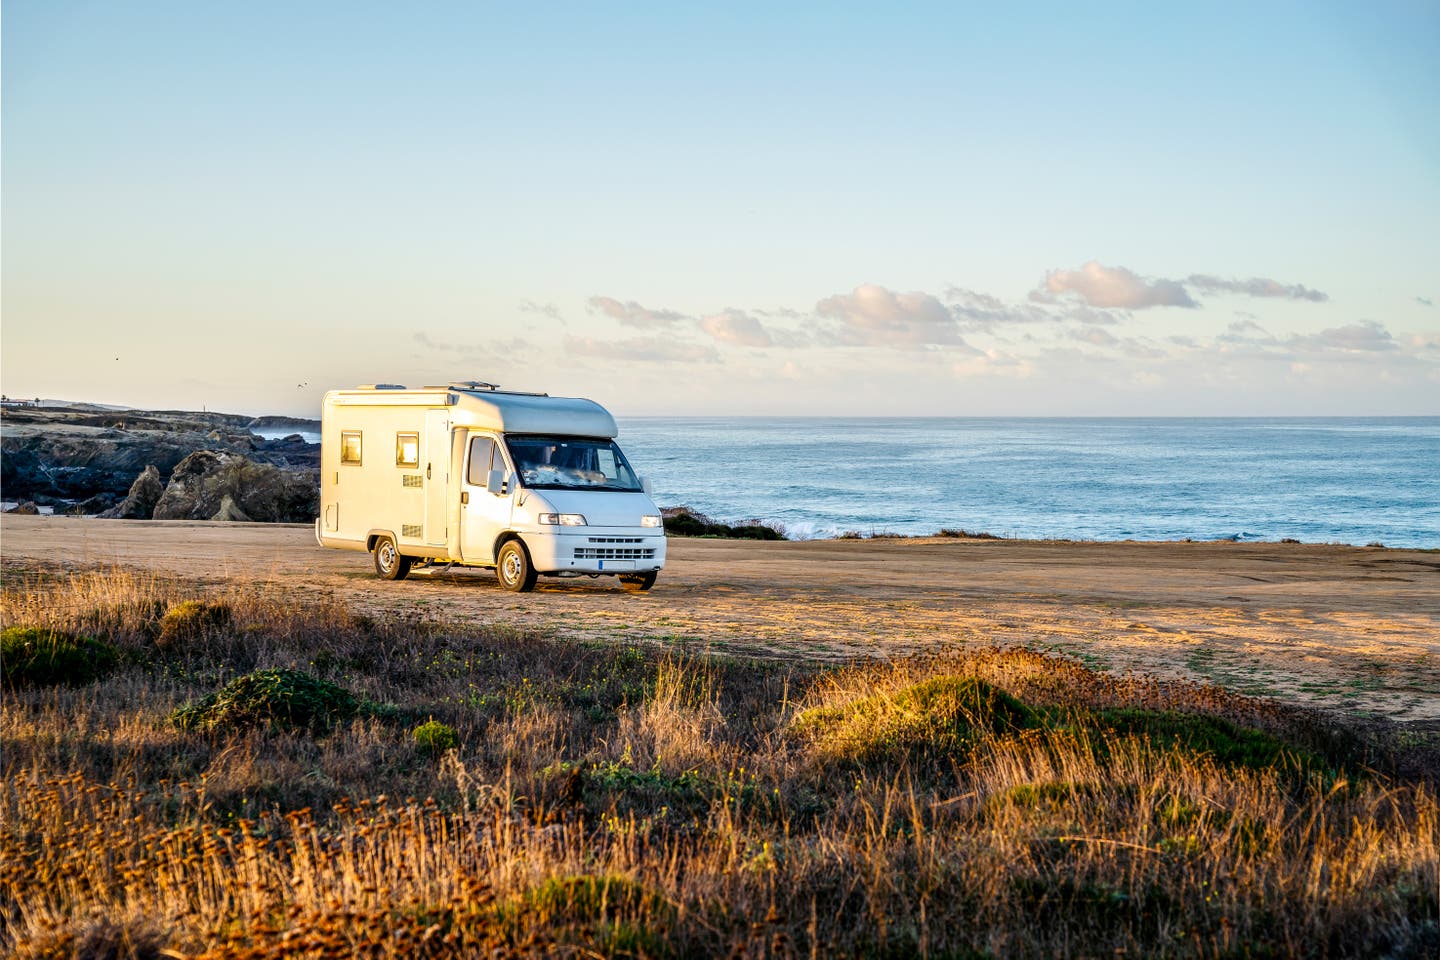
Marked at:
<point>1318,480</point>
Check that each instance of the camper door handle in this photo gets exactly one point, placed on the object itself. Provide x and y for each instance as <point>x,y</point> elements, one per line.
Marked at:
<point>427,471</point>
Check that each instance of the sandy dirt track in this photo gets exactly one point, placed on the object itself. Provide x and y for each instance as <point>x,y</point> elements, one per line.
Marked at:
<point>1346,628</point>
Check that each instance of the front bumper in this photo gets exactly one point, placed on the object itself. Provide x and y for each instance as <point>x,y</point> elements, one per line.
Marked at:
<point>597,550</point>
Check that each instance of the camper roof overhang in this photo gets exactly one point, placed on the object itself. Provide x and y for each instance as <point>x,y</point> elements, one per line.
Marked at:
<point>494,410</point>
<point>520,413</point>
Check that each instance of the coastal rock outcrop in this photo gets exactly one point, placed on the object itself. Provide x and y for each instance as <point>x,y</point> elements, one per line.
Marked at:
<point>139,502</point>
<point>66,455</point>
<point>208,485</point>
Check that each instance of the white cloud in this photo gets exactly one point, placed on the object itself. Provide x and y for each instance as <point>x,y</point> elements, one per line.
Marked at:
<point>641,349</point>
<point>1367,336</point>
<point>1245,331</point>
<point>544,309</point>
<point>993,363</point>
<point>1119,288</point>
<point>872,315</point>
<point>1095,336</point>
<point>982,312</point>
<point>632,314</point>
<point>1255,287</point>
<point>1114,287</point>
<point>738,328</point>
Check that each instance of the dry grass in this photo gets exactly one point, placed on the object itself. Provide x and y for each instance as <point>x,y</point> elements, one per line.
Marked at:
<point>623,801</point>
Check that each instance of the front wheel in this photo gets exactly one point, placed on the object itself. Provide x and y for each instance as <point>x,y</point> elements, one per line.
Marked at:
<point>513,569</point>
<point>389,563</point>
<point>639,581</point>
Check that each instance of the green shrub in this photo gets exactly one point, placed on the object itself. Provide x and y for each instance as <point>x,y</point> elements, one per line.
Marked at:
<point>191,620</point>
<point>282,699</point>
<point>942,715</point>
<point>435,737</point>
<point>39,657</point>
<point>1226,742</point>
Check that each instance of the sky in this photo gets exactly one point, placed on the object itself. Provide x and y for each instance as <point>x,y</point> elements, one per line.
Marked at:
<point>908,209</point>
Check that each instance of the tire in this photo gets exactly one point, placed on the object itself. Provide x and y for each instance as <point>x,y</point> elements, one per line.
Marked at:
<point>390,564</point>
<point>639,582</point>
<point>513,568</point>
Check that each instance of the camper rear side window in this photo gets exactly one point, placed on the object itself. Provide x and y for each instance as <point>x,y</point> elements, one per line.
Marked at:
<point>349,446</point>
<point>407,449</point>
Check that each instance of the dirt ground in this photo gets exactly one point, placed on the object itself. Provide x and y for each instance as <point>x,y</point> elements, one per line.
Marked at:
<point>1345,628</point>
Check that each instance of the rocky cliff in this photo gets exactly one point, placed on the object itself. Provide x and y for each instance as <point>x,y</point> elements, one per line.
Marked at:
<point>85,460</point>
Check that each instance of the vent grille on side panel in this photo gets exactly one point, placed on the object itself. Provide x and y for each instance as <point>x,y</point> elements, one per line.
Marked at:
<point>412,480</point>
<point>411,530</point>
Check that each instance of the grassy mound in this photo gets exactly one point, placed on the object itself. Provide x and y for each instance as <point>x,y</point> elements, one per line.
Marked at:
<point>284,699</point>
<point>942,715</point>
<point>38,657</point>
<point>1197,733</point>
<point>684,522</point>
<point>191,620</point>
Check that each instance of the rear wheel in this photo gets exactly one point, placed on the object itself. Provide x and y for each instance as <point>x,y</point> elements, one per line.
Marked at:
<point>513,569</point>
<point>639,581</point>
<point>389,563</point>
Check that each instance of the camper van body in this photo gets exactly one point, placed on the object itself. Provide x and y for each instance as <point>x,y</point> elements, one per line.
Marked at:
<point>471,475</point>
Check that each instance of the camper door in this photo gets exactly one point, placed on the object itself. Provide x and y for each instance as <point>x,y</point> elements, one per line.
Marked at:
<point>437,473</point>
<point>483,515</point>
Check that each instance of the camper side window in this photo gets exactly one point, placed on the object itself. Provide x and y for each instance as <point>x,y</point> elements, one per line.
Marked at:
<point>407,449</point>
<point>350,446</point>
<point>482,451</point>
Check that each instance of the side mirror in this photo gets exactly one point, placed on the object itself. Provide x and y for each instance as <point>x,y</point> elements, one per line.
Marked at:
<point>495,483</point>
<point>647,486</point>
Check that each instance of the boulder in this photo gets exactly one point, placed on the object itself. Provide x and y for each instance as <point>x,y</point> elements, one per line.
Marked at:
<point>92,506</point>
<point>208,485</point>
<point>28,508</point>
<point>139,503</point>
<point>228,510</point>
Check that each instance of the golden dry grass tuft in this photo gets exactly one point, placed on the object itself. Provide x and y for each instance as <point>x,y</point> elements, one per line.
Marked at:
<point>622,801</point>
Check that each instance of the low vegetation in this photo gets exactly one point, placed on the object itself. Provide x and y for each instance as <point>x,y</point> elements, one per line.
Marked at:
<point>685,522</point>
<point>280,699</point>
<point>191,620</point>
<point>299,780</point>
<point>42,657</point>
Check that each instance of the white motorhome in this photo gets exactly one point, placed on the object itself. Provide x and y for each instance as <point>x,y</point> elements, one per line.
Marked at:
<point>469,474</point>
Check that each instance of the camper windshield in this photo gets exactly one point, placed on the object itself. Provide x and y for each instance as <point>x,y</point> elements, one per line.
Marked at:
<point>571,463</point>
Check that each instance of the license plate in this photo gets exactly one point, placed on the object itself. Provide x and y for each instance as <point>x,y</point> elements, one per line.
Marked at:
<point>617,564</point>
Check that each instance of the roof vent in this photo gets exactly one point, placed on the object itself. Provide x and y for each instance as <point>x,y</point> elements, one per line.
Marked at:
<point>473,385</point>
<point>381,386</point>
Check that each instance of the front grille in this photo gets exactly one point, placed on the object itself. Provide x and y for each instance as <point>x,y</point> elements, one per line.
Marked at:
<point>614,553</point>
<point>617,539</point>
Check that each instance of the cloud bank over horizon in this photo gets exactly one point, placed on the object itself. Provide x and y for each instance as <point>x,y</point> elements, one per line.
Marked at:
<point>1095,323</point>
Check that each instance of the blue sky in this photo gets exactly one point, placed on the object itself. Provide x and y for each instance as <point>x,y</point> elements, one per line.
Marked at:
<point>1107,210</point>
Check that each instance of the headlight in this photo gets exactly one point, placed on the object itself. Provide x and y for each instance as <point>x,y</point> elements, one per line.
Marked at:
<point>563,519</point>
<point>651,521</point>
